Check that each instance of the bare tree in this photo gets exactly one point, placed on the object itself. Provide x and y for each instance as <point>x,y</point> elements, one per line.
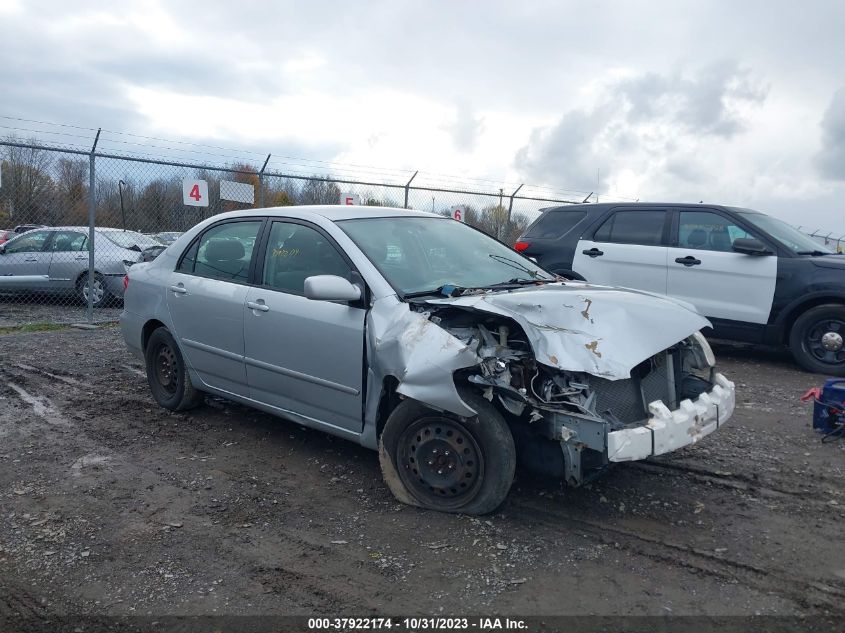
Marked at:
<point>27,188</point>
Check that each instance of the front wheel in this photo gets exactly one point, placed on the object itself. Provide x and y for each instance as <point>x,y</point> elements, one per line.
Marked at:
<point>817,340</point>
<point>443,462</point>
<point>166,373</point>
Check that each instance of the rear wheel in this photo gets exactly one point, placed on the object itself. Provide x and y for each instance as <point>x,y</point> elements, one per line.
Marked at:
<point>817,340</point>
<point>442,462</point>
<point>166,373</point>
<point>97,288</point>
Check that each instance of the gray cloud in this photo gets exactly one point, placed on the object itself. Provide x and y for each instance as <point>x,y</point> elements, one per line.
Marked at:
<point>639,122</point>
<point>831,159</point>
<point>466,128</point>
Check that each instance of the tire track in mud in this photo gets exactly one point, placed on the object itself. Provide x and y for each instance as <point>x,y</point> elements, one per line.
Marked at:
<point>804,592</point>
<point>737,481</point>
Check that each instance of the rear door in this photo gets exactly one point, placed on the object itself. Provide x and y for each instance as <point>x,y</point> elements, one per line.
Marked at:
<point>25,262</point>
<point>704,269</point>
<point>69,258</point>
<point>304,356</point>
<point>206,295</point>
<point>628,249</point>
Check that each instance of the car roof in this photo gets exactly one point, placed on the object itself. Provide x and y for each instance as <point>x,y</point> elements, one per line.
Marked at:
<point>603,206</point>
<point>336,212</point>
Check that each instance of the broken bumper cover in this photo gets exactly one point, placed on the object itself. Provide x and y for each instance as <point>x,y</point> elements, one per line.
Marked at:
<point>667,430</point>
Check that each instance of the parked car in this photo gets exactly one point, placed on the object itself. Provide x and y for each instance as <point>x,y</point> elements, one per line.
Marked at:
<point>23,228</point>
<point>757,279</point>
<point>451,366</point>
<point>6,235</point>
<point>55,261</point>
<point>167,237</point>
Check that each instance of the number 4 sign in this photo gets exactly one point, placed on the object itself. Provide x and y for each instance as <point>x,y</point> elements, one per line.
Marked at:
<point>195,192</point>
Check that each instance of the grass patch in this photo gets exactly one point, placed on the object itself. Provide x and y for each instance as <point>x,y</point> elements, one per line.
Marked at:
<point>32,327</point>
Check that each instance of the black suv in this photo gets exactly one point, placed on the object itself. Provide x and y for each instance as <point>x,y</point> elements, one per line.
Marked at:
<point>756,278</point>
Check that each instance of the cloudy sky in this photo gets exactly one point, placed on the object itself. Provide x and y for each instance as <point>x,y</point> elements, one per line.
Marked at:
<point>732,102</point>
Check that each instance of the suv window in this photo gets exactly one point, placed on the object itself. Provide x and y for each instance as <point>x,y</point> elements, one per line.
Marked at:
<point>555,223</point>
<point>633,227</point>
<point>295,252</point>
<point>31,242</point>
<point>64,241</point>
<point>222,252</point>
<point>708,231</point>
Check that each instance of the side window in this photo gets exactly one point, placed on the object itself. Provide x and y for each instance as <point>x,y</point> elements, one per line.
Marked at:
<point>704,230</point>
<point>633,227</point>
<point>295,252</point>
<point>30,242</point>
<point>223,252</point>
<point>555,223</point>
<point>69,241</point>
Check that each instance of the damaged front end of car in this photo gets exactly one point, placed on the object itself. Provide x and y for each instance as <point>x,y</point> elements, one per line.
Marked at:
<point>584,375</point>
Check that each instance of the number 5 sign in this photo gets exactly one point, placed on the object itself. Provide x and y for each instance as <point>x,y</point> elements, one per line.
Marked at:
<point>458,214</point>
<point>195,192</point>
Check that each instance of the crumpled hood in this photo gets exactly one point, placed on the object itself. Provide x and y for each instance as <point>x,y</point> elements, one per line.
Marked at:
<point>600,330</point>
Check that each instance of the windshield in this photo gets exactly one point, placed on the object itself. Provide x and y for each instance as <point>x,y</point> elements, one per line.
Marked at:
<point>417,254</point>
<point>790,237</point>
<point>128,239</point>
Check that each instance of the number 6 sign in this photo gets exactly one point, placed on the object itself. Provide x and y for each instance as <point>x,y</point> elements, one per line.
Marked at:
<point>458,214</point>
<point>195,192</point>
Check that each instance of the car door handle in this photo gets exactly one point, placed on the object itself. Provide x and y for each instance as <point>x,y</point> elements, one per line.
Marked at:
<point>81,257</point>
<point>31,259</point>
<point>687,261</point>
<point>593,252</point>
<point>179,290</point>
<point>261,307</point>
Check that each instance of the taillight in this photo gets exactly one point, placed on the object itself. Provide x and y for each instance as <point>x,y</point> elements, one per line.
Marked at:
<point>521,246</point>
<point>125,282</point>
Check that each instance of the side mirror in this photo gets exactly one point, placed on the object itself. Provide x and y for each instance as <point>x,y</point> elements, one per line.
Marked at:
<point>331,288</point>
<point>750,246</point>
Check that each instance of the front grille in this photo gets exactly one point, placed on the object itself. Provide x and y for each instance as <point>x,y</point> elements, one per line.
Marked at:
<point>626,400</point>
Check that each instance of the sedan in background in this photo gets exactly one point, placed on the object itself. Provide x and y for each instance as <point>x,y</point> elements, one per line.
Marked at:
<point>55,260</point>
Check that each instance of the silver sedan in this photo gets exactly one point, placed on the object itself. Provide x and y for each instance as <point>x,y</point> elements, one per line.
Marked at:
<point>55,261</point>
<point>426,339</point>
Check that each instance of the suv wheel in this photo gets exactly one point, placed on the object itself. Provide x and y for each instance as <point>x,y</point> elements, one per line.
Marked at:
<point>817,340</point>
<point>169,381</point>
<point>442,462</point>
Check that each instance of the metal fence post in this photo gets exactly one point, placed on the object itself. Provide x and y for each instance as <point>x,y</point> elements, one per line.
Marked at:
<point>510,205</point>
<point>92,199</point>
<point>408,187</point>
<point>261,182</point>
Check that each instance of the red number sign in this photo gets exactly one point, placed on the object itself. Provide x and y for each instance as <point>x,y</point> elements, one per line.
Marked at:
<point>195,193</point>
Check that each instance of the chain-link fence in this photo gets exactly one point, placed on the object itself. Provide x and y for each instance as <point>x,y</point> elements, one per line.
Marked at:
<point>73,221</point>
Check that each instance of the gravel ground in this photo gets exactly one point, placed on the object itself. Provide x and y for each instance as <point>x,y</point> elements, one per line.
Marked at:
<point>111,505</point>
<point>15,311</point>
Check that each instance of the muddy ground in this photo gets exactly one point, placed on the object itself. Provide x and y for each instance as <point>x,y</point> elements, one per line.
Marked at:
<point>111,505</point>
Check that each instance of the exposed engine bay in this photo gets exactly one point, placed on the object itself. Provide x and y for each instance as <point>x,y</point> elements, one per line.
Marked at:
<point>550,408</point>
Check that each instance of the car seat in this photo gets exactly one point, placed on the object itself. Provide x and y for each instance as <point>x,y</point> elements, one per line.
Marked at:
<point>720,240</point>
<point>697,238</point>
<point>63,244</point>
<point>224,259</point>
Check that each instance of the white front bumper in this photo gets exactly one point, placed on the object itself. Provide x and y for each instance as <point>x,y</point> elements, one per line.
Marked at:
<point>667,430</point>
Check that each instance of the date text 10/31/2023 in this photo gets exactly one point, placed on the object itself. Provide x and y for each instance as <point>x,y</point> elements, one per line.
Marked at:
<point>418,624</point>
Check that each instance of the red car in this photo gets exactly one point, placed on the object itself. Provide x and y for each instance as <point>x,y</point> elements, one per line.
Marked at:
<point>6,235</point>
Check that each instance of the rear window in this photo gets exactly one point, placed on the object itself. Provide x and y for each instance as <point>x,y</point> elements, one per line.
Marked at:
<point>555,223</point>
<point>633,227</point>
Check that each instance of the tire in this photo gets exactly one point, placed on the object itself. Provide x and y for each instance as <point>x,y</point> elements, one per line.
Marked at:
<point>440,461</point>
<point>102,296</point>
<point>817,340</point>
<point>166,374</point>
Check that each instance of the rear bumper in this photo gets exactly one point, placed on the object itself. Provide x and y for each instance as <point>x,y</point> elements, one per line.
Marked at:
<point>667,430</point>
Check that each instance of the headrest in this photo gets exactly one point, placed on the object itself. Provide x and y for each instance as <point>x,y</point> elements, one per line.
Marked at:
<point>224,250</point>
<point>698,237</point>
